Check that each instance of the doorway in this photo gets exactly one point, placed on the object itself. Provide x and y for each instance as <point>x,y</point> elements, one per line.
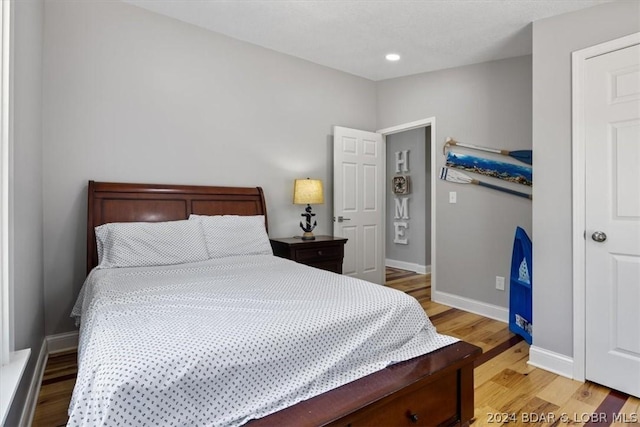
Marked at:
<point>429,126</point>
<point>408,200</point>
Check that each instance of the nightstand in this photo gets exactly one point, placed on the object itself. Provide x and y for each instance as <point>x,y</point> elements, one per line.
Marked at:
<point>325,252</point>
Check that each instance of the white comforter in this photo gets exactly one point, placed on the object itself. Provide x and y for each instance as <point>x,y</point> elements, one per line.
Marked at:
<point>221,342</point>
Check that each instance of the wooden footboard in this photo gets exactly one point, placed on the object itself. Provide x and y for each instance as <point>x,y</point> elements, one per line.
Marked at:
<point>431,390</point>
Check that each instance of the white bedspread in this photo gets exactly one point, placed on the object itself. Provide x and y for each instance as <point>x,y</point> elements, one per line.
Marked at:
<point>221,342</point>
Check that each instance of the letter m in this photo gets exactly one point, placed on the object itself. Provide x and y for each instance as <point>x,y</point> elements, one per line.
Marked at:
<point>402,208</point>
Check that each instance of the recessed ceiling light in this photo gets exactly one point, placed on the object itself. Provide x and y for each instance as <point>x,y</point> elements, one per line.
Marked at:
<point>392,57</point>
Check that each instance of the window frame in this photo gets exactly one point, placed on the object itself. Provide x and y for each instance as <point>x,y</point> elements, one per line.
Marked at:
<point>12,363</point>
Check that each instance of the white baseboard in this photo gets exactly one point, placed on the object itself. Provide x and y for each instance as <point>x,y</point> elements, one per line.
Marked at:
<point>29,410</point>
<point>62,342</point>
<point>482,308</point>
<point>410,266</point>
<point>551,361</point>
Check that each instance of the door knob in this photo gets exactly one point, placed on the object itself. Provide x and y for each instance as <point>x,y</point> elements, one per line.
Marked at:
<point>599,236</point>
<point>342,219</point>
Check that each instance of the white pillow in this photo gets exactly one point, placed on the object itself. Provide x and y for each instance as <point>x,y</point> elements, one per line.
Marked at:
<point>229,235</point>
<point>137,244</point>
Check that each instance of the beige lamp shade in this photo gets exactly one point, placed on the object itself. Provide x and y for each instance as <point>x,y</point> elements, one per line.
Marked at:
<point>308,191</point>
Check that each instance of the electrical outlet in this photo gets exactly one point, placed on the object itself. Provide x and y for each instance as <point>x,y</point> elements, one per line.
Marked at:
<point>453,196</point>
<point>500,283</point>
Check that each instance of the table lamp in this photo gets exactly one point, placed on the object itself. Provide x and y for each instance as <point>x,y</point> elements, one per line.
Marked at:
<point>307,192</point>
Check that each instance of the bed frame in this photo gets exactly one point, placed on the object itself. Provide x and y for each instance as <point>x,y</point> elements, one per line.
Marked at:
<point>430,390</point>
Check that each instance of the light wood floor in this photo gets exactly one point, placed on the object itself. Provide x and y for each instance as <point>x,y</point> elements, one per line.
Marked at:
<point>508,390</point>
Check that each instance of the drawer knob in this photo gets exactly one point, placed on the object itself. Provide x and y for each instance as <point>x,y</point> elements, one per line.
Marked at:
<point>413,417</point>
<point>319,252</point>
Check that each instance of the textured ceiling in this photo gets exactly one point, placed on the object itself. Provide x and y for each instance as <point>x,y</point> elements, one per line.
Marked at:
<point>354,35</point>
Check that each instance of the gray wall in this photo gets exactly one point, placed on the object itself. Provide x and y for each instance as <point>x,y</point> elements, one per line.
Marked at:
<point>418,247</point>
<point>553,41</point>
<point>486,104</point>
<point>133,96</point>
<point>28,304</point>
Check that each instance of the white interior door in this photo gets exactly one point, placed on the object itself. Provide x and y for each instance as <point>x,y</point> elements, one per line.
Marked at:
<point>358,178</point>
<point>612,144</point>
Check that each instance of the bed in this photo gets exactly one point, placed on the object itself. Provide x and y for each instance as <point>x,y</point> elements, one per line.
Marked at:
<point>425,389</point>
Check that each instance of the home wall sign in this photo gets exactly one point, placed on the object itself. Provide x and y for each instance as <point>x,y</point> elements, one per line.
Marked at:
<point>400,185</point>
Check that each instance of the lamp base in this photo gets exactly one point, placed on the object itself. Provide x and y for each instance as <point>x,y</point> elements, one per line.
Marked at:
<point>307,227</point>
<point>308,235</point>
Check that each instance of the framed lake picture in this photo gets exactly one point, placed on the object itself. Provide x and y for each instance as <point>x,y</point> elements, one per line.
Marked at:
<point>494,168</point>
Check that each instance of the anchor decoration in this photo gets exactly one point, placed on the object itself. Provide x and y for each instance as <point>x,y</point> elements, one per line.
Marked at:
<point>307,227</point>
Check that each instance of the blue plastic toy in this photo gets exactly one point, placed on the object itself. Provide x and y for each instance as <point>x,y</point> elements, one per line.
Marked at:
<point>520,311</point>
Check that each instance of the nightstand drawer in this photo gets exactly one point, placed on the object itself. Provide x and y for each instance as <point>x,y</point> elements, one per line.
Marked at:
<point>323,252</point>
<point>319,254</point>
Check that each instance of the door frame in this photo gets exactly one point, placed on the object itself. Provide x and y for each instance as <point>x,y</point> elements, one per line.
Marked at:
<point>430,121</point>
<point>578,188</point>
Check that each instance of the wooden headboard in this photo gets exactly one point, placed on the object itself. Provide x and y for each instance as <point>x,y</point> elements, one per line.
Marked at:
<point>121,202</point>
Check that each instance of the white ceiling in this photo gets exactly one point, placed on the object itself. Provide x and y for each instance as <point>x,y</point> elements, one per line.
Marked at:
<point>355,35</point>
